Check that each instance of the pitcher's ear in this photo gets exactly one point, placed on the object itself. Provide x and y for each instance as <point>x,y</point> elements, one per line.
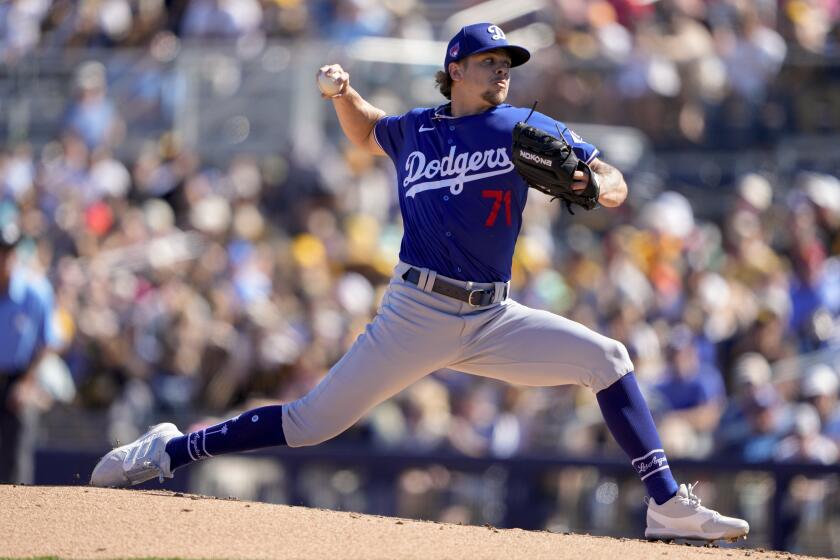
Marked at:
<point>456,71</point>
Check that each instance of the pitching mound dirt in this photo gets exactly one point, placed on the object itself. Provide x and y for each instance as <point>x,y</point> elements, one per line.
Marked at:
<point>80,522</point>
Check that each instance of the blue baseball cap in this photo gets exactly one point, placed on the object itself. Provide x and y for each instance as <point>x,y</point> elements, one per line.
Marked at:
<point>481,37</point>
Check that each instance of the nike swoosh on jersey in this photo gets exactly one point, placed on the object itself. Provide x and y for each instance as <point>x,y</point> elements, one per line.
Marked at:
<point>424,129</point>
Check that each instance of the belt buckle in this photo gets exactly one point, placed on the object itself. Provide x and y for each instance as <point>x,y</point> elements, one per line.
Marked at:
<point>479,293</point>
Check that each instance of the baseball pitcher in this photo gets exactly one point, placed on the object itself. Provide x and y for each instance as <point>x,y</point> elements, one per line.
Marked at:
<point>464,172</point>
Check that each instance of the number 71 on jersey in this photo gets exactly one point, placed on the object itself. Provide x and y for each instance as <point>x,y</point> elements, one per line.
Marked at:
<point>498,197</point>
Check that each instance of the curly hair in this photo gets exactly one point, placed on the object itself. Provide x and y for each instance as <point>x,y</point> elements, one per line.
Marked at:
<point>444,83</point>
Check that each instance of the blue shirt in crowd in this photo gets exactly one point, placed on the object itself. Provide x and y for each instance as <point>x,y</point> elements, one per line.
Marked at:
<point>682,393</point>
<point>25,319</point>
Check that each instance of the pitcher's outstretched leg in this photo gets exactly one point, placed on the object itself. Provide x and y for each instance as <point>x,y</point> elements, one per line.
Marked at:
<point>674,511</point>
<point>162,449</point>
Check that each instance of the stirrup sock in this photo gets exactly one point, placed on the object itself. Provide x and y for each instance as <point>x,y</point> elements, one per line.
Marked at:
<point>254,429</point>
<point>631,424</point>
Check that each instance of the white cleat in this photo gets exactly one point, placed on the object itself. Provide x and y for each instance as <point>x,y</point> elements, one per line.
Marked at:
<point>682,517</point>
<point>141,460</point>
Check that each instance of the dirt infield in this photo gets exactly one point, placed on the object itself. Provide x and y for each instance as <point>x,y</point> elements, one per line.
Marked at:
<point>80,522</point>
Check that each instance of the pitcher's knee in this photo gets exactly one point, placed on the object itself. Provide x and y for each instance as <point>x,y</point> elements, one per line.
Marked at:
<point>615,364</point>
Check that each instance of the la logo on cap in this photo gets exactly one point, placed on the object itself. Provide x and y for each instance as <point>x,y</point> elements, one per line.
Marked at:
<point>456,48</point>
<point>496,32</point>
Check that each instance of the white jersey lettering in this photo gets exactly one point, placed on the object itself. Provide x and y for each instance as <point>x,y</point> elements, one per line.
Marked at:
<point>466,167</point>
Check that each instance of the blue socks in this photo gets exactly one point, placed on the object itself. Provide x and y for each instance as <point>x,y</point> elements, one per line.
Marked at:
<point>622,405</point>
<point>254,429</point>
<point>631,424</point>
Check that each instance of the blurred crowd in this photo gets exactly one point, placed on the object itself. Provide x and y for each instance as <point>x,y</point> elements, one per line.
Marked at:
<point>192,288</point>
<point>686,72</point>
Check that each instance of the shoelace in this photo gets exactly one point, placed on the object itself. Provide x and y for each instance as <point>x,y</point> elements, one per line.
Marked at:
<point>693,498</point>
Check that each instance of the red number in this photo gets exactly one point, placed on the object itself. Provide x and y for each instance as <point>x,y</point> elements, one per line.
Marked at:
<point>498,197</point>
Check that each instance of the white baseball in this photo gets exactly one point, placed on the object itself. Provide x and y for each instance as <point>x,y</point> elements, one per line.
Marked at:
<point>329,85</point>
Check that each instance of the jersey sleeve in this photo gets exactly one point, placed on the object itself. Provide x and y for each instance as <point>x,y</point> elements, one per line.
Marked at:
<point>389,133</point>
<point>583,149</point>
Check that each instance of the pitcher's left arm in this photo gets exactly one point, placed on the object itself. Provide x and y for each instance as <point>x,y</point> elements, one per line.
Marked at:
<point>610,180</point>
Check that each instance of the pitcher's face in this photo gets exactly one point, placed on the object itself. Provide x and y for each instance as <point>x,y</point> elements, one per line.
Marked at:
<point>484,75</point>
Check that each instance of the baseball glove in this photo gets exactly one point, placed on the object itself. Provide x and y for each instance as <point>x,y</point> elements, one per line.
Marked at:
<point>548,163</point>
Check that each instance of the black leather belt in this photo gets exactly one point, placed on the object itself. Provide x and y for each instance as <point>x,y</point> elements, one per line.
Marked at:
<point>476,298</point>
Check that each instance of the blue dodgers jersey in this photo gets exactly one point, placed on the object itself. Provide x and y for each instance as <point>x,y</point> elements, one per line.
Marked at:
<point>460,196</point>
